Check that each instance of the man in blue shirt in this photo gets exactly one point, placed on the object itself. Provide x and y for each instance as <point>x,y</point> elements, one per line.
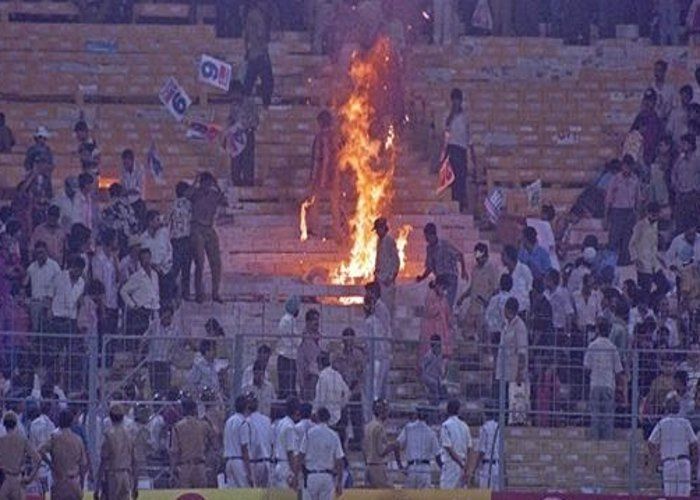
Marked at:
<point>532,255</point>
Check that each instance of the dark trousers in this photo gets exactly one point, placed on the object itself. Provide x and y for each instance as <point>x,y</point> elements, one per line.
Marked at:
<point>621,223</point>
<point>137,322</point>
<point>645,281</point>
<point>686,210</point>
<point>139,207</point>
<point>107,326</point>
<point>458,162</point>
<point>159,376</point>
<point>182,263</point>
<point>260,66</point>
<point>243,165</point>
<point>352,413</point>
<point>451,283</point>
<point>286,377</point>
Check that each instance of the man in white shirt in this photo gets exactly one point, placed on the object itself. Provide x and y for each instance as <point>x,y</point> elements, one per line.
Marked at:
<point>588,305</point>
<point>321,457</point>
<point>84,204</point>
<point>66,203</point>
<point>673,443</point>
<point>237,438</point>
<point>42,274</point>
<point>332,392</point>
<point>261,441</point>
<point>666,93</point>
<point>522,277</point>
<point>105,268</point>
<point>157,239</point>
<point>132,179</point>
<point>455,442</point>
<point>287,347</point>
<point>456,144</point>
<point>285,448</point>
<point>494,317</point>
<point>141,295</point>
<point>40,430</point>
<point>488,455</point>
<point>603,361</point>
<point>420,445</point>
<point>684,249</point>
<point>560,300</point>
<point>260,387</point>
<point>64,306</point>
<point>379,349</point>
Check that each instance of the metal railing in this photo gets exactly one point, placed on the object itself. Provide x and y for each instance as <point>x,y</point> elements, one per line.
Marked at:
<point>550,427</point>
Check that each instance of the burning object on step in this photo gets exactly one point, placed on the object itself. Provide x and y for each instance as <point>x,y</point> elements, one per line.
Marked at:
<point>303,213</point>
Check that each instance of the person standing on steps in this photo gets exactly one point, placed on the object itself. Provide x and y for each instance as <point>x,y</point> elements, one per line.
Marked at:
<point>386,264</point>
<point>206,197</point>
<point>457,139</point>
<point>441,260</point>
<point>256,36</point>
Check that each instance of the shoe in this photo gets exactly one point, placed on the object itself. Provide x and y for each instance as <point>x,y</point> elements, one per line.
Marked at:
<point>217,299</point>
<point>199,299</point>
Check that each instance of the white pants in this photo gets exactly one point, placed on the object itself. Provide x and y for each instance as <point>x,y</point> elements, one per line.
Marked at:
<point>419,477</point>
<point>261,474</point>
<point>235,474</point>
<point>488,479</point>
<point>280,476</point>
<point>452,476</point>
<point>676,475</point>
<point>381,378</point>
<point>443,20</point>
<point>319,487</point>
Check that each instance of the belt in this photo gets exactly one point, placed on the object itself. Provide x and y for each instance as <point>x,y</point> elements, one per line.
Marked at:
<point>376,464</point>
<point>679,457</point>
<point>419,462</point>
<point>321,471</point>
<point>486,461</point>
<point>278,460</point>
<point>191,462</point>
<point>260,460</point>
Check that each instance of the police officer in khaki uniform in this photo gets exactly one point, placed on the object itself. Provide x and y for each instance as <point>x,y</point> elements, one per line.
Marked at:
<point>376,448</point>
<point>189,441</point>
<point>116,476</point>
<point>14,450</point>
<point>66,454</point>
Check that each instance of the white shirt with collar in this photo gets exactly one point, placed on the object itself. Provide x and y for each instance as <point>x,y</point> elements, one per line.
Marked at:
<point>487,444</point>
<point>43,278</point>
<point>457,132</point>
<point>331,392</point>
<point>104,269</point>
<point>66,296</point>
<point>454,433</point>
<point>587,310</point>
<point>141,290</point>
<point>160,247</point>
<point>237,433</point>
<point>289,338</point>
<point>673,435</point>
<point>419,441</point>
<point>133,181</point>
<point>522,284</point>
<point>261,436</point>
<point>321,448</point>
<point>285,439</point>
<point>680,252</point>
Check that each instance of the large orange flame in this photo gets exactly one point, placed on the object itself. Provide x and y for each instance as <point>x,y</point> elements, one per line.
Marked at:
<point>370,159</point>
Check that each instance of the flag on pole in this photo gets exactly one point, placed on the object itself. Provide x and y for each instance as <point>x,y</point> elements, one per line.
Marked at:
<point>494,204</point>
<point>155,165</point>
<point>446,176</point>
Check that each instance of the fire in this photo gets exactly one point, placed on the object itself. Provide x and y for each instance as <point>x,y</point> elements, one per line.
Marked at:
<point>105,182</point>
<point>303,228</point>
<point>402,242</point>
<point>370,159</point>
